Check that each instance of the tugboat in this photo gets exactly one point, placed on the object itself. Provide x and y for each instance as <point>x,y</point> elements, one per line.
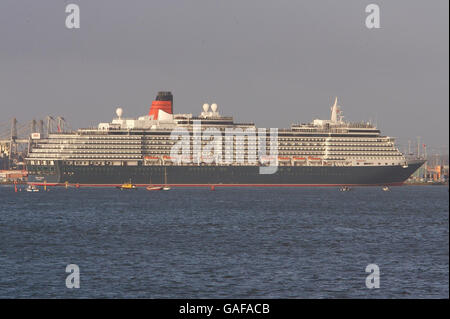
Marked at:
<point>127,186</point>
<point>32,188</point>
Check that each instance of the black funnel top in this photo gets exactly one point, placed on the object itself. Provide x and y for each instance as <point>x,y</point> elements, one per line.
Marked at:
<point>164,96</point>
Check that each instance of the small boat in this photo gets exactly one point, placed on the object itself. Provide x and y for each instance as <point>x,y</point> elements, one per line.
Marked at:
<point>32,188</point>
<point>152,187</point>
<point>345,189</point>
<point>386,189</point>
<point>127,186</point>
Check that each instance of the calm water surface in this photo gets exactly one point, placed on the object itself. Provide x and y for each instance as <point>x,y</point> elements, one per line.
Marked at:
<point>228,243</point>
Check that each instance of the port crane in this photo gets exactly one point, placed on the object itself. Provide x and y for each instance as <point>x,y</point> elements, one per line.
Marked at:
<point>16,137</point>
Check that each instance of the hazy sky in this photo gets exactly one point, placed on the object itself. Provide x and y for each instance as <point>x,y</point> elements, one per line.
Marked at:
<point>271,62</point>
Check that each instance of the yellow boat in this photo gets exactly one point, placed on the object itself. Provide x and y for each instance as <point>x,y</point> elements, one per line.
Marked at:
<point>127,186</point>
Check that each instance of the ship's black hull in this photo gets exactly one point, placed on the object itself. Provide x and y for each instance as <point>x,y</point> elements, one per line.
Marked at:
<point>223,175</point>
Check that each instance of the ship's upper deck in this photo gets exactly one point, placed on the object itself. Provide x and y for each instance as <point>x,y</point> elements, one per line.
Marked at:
<point>148,140</point>
<point>210,117</point>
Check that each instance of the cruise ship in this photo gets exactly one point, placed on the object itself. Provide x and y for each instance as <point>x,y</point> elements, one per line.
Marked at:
<point>163,148</point>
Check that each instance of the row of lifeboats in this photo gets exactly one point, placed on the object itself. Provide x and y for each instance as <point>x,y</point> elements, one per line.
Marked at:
<point>263,158</point>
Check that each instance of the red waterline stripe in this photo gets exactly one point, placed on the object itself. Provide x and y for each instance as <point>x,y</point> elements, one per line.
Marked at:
<point>215,185</point>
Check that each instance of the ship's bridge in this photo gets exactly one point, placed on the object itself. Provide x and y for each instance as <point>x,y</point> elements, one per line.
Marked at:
<point>336,124</point>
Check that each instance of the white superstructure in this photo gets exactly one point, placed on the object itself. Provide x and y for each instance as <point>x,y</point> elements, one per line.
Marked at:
<point>146,141</point>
